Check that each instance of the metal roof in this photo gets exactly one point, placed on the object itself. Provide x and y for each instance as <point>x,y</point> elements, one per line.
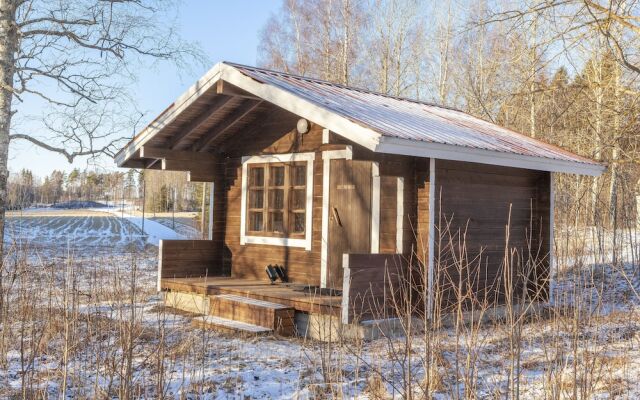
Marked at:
<point>378,122</point>
<point>408,119</point>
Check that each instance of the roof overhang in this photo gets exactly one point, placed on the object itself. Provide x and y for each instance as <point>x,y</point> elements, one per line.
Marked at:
<point>227,80</point>
<point>459,153</point>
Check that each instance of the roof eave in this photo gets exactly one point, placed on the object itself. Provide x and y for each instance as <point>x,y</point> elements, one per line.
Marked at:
<point>345,127</point>
<point>208,81</point>
<point>467,154</point>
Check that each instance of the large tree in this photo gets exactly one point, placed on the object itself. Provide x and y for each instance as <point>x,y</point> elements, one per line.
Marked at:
<point>75,59</point>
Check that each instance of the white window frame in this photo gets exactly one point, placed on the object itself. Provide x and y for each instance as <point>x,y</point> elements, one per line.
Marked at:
<point>270,240</point>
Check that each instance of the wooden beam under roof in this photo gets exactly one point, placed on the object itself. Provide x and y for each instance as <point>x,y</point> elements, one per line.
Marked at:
<point>185,165</point>
<point>177,155</point>
<point>228,89</point>
<point>229,121</point>
<point>187,130</point>
<point>133,164</point>
<point>151,164</point>
<point>200,176</point>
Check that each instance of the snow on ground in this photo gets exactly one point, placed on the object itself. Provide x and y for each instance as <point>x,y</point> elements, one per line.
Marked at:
<point>72,231</point>
<point>153,230</point>
<point>100,228</point>
<point>596,355</point>
<point>183,226</point>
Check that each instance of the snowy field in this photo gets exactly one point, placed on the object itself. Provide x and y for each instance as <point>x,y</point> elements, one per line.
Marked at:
<point>94,327</point>
<point>89,230</point>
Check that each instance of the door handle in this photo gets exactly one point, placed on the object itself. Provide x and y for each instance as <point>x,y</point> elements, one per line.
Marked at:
<point>336,216</point>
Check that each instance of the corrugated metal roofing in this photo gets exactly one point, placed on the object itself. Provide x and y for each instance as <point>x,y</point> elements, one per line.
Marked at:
<point>408,119</point>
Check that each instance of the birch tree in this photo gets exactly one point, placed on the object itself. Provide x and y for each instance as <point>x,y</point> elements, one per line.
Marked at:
<point>76,58</point>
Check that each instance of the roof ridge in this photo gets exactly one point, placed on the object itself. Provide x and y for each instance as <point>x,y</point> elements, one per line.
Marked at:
<point>340,85</point>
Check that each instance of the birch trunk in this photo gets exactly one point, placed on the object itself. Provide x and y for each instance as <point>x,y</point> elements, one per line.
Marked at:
<point>532,77</point>
<point>597,140</point>
<point>8,48</point>
<point>617,109</point>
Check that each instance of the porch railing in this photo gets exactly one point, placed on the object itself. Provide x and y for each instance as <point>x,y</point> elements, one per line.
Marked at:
<point>188,259</point>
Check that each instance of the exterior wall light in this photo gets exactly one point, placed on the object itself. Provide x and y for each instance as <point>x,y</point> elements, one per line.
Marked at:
<point>302,126</point>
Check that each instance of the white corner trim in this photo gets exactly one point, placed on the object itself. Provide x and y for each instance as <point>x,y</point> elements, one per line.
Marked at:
<point>432,235</point>
<point>375,208</point>
<point>324,245</point>
<point>467,154</point>
<point>325,136</point>
<point>159,283</point>
<point>278,241</point>
<point>399,214</point>
<point>346,284</point>
<point>327,156</point>
<point>243,206</point>
<point>274,158</point>
<point>346,154</point>
<point>211,198</point>
<point>552,263</point>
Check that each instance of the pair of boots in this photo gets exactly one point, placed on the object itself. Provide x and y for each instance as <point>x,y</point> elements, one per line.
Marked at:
<point>275,272</point>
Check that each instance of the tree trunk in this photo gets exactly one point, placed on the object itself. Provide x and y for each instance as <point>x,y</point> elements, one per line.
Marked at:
<point>8,49</point>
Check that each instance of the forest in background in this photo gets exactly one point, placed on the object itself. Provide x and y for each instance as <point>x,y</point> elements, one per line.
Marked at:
<point>565,72</point>
<point>160,190</point>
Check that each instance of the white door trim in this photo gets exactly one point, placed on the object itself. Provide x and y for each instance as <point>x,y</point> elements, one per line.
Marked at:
<point>399,214</point>
<point>327,156</point>
<point>432,235</point>
<point>552,263</point>
<point>375,208</point>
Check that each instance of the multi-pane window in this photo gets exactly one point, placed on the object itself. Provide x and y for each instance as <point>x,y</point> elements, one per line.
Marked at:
<point>277,199</point>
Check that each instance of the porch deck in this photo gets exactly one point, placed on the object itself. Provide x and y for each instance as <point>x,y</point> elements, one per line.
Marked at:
<point>292,295</point>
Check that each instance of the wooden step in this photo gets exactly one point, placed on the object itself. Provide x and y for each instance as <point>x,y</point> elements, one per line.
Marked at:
<point>273,316</point>
<point>228,325</point>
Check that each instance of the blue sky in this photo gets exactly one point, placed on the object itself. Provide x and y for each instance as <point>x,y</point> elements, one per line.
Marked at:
<point>226,30</point>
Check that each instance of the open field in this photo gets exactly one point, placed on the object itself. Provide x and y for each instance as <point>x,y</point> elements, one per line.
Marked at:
<point>53,212</point>
<point>79,230</point>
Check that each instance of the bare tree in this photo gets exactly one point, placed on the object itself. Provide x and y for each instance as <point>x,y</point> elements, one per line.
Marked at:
<point>616,22</point>
<point>78,57</point>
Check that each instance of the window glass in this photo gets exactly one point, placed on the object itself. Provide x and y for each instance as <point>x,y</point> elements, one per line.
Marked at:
<point>256,176</point>
<point>256,198</point>
<point>256,221</point>
<point>276,199</point>
<point>298,198</point>
<point>277,176</point>
<point>298,175</point>
<point>298,222</point>
<point>276,222</point>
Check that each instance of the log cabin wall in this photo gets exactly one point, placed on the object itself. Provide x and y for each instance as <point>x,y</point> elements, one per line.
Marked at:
<point>473,193</point>
<point>274,134</point>
<point>475,204</point>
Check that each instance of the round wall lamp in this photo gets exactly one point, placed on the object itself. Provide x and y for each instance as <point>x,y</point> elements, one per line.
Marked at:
<point>302,126</point>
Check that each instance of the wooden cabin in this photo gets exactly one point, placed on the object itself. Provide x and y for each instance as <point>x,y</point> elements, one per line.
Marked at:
<point>350,192</point>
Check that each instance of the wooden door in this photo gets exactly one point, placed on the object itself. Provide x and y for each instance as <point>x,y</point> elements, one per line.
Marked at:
<point>349,214</point>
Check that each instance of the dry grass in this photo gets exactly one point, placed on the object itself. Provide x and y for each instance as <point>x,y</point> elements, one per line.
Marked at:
<point>93,328</point>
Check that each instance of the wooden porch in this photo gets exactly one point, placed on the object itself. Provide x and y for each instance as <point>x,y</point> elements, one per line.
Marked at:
<point>300,297</point>
<point>193,267</point>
